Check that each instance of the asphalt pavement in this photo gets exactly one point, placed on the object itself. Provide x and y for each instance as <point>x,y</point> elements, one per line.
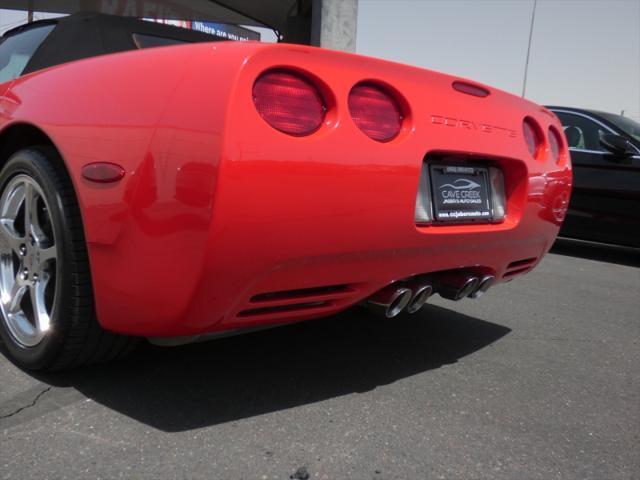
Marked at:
<point>539,379</point>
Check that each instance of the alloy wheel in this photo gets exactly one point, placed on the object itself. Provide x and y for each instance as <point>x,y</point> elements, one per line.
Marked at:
<point>28,261</point>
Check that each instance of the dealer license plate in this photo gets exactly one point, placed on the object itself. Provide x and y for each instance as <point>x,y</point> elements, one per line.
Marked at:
<point>460,193</point>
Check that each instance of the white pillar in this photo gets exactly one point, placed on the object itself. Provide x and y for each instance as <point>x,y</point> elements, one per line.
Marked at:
<point>335,23</point>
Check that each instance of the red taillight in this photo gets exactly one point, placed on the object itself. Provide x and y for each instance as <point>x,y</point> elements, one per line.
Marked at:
<point>288,102</point>
<point>531,136</point>
<point>554,144</point>
<point>375,112</point>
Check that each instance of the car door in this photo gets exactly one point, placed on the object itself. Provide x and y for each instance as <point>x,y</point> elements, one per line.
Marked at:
<point>605,201</point>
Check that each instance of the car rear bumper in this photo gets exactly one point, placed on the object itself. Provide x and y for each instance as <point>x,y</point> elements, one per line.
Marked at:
<point>289,239</point>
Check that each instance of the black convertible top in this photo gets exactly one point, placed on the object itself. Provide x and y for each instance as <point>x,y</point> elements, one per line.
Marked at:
<point>84,35</point>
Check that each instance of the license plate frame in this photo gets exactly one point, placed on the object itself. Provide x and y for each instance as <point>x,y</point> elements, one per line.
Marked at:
<point>460,193</point>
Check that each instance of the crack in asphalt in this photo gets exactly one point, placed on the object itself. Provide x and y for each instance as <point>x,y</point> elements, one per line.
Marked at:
<point>29,405</point>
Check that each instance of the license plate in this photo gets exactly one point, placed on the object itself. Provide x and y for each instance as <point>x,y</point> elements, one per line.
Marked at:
<point>460,193</point>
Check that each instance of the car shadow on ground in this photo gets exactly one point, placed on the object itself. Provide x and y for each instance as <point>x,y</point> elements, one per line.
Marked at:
<point>597,251</point>
<point>199,385</point>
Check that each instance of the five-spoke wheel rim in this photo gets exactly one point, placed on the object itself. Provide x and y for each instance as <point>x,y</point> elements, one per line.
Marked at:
<point>28,261</point>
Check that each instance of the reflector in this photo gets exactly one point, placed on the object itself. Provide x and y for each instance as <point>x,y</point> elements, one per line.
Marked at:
<point>103,172</point>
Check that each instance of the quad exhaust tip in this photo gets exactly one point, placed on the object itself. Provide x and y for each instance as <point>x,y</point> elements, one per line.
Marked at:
<point>390,301</point>
<point>456,287</point>
<point>420,296</point>
<point>483,285</point>
<point>393,299</point>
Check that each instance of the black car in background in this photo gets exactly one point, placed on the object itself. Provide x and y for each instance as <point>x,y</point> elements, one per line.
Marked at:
<point>605,153</point>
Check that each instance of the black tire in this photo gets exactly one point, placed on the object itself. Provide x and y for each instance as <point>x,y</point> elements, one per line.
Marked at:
<point>74,337</point>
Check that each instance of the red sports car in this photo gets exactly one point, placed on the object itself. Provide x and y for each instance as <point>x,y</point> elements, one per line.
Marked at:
<point>175,193</point>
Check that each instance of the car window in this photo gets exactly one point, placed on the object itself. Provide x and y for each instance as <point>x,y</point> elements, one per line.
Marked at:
<point>625,124</point>
<point>16,50</point>
<point>149,41</point>
<point>581,132</point>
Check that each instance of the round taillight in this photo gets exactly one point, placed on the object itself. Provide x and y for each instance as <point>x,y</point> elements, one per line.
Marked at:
<point>531,136</point>
<point>554,144</point>
<point>375,111</point>
<point>289,102</point>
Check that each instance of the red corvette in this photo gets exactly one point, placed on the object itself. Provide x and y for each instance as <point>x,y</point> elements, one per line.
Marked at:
<point>206,187</point>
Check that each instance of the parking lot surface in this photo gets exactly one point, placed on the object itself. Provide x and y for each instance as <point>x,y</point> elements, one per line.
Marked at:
<point>539,379</point>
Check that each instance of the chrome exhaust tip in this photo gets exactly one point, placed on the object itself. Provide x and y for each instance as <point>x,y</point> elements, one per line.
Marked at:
<point>483,285</point>
<point>457,286</point>
<point>389,301</point>
<point>420,296</point>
